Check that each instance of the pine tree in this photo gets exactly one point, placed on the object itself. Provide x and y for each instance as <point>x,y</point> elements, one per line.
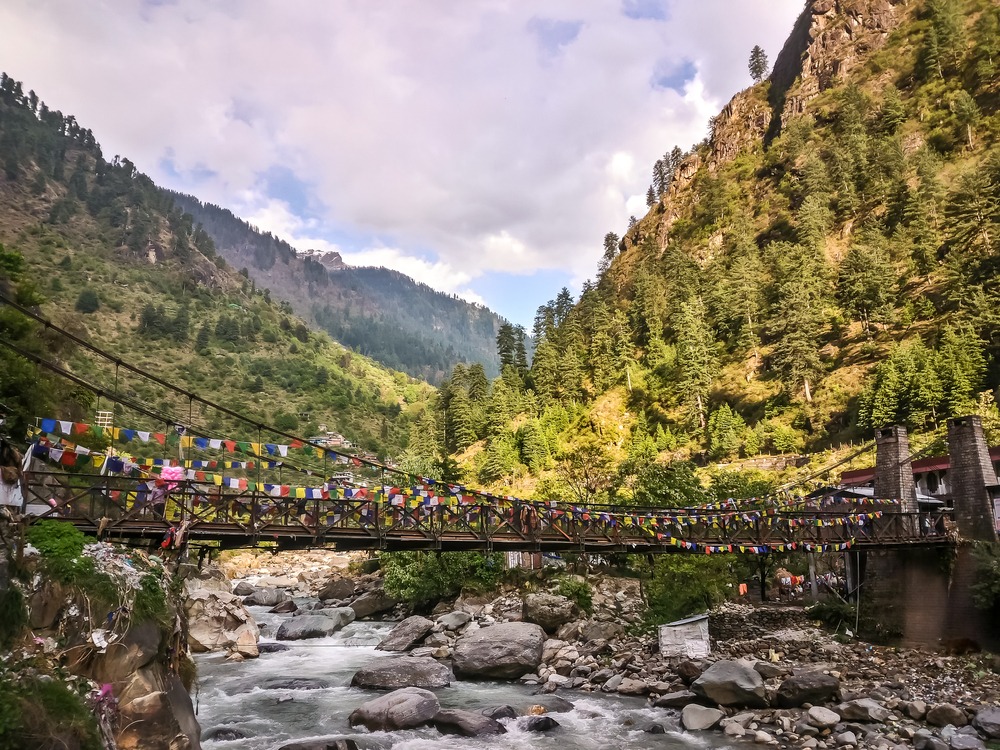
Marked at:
<point>725,432</point>
<point>696,356</point>
<point>650,197</point>
<point>797,315</point>
<point>867,285</point>
<point>967,112</point>
<point>461,425</point>
<point>506,345</point>
<point>960,367</point>
<point>757,64</point>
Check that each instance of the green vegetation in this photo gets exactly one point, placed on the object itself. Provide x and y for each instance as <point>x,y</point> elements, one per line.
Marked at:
<point>61,546</point>
<point>139,277</point>
<point>44,713</point>
<point>424,578</point>
<point>577,590</point>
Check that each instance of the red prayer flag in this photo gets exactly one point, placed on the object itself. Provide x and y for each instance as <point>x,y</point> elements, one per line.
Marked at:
<point>80,427</point>
<point>68,459</point>
<point>159,437</point>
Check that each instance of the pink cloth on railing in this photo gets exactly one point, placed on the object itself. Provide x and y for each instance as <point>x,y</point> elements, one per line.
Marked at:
<point>172,475</point>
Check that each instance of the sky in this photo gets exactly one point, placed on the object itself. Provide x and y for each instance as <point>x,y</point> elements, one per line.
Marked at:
<point>483,147</point>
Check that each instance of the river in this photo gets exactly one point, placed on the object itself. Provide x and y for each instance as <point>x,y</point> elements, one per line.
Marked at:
<point>244,696</point>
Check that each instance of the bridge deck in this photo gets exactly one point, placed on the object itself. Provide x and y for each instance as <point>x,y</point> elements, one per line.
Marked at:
<point>118,508</point>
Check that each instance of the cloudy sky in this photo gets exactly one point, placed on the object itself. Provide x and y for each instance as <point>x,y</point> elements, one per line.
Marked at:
<point>483,147</point>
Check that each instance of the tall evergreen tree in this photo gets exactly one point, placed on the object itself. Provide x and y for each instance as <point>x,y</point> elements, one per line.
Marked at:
<point>757,64</point>
<point>696,356</point>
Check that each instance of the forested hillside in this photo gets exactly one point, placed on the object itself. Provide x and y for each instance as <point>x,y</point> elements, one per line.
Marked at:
<point>378,312</point>
<point>823,263</point>
<point>99,249</point>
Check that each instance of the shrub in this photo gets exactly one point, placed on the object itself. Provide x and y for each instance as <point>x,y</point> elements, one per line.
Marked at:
<point>577,590</point>
<point>88,301</point>
<point>422,578</point>
<point>44,713</point>
<point>13,617</point>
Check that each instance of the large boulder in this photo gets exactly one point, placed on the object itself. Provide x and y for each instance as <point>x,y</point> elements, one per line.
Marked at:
<point>372,603</point>
<point>987,721</point>
<point>406,671</point>
<point>548,610</point>
<point>466,723</point>
<point>400,709</point>
<point>406,634</point>
<point>266,597</point>
<point>337,588</point>
<point>218,621</point>
<point>731,683</point>
<point>319,625</point>
<point>507,650</point>
<point>809,687</point>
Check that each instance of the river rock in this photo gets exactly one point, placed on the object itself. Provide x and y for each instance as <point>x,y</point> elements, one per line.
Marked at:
<point>846,738</point>
<point>507,650</point>
<point>373,603</point>
<point>266,597</point>
<point>466,723</point>
<point>695,717</point>
<point>328,743</point>
<point>863,709</point>
<point>677,699</point>
<point>629,686</point>
<point>401,709</point>
<point>224,734</point>
<point>731,683</point>
<point>822,718</point>
<point>406,634</point>
<point>270,647</point>
<point>243,588</point>
<point>987,721</point>
<point>337,588</point>
<point>295,683</point>
<point>943,714</point>
<point>548,610</point>
<point>594,630</point>
<point>539,724</point>
<point>453,620</point>
<point>689,671</point>
<point>965,742</point>
<point>500,712</point>
<point>219,621</point>
<point>810,687</point>
<point>315,626</point>
<point>285,608</point>
<point>406,671</point>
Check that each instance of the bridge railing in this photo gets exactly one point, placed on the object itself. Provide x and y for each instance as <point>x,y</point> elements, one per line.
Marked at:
<point>117,505</point>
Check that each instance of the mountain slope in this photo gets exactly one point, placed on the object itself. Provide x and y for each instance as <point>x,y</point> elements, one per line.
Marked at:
<point>378,312</point>
<point>109,256</point>
<point>825,262</point>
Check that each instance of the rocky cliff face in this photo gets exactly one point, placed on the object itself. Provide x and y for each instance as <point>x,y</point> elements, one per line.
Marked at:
<point>830,39</point>
<point>839,35</point>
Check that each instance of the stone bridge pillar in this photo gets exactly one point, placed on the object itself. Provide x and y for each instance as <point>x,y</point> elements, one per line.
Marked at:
<point>971,479</point>
<point>893,471</point>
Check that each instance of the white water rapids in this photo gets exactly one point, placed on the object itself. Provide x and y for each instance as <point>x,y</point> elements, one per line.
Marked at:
<point>243,697</point>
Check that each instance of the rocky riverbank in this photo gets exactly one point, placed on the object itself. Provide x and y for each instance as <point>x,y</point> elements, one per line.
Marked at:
<point>772,678</point>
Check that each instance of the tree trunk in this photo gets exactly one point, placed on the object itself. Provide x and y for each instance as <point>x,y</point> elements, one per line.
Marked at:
<point>809,397</point>
<point>701,411</point>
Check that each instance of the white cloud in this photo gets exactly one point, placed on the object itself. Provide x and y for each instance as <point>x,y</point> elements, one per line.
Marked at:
<point>486,134</point>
